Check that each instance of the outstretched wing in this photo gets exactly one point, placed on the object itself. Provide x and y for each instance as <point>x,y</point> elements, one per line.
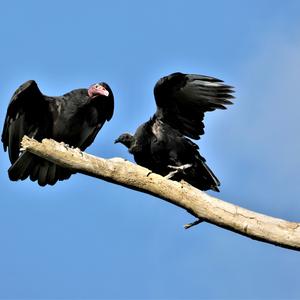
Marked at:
<point>182,100</point>
<point>26,115</point>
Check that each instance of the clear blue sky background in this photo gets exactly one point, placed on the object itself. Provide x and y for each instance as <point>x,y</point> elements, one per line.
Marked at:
<point>85,238</point>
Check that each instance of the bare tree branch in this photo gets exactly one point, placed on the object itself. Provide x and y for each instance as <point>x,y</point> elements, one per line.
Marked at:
<point>204,207</point>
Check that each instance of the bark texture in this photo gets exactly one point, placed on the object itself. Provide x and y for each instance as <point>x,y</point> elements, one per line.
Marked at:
<point>201,205</point>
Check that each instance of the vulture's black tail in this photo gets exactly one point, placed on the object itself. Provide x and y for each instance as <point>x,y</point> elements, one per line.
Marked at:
<point>45,172</point>
<point>202,177</point>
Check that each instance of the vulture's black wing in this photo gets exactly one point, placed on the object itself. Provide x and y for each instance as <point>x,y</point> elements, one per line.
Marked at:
<point>108,105</point>
<point>182,100</point>
<point>27,113</point>
<point>97,113</point>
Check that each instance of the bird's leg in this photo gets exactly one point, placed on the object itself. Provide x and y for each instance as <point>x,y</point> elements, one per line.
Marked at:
<point>171,174</point>
<point>177,169</point>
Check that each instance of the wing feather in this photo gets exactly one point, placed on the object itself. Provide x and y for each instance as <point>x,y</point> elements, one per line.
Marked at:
<point>182,100</point>
<point>26,112</point>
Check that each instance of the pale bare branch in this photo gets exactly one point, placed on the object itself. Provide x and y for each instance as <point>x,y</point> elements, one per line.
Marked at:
<point>201,205</point>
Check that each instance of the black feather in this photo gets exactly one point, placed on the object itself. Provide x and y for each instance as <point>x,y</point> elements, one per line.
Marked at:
<point>182,100</point>
<point>74,118</point>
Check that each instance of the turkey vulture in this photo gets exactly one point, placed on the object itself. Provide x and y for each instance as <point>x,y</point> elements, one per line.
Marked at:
<point>74,118</point>
<point>162,144</point>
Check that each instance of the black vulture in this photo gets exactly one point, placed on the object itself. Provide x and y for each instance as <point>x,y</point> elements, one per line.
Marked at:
<point>74,118</point>
<point>162,144</point>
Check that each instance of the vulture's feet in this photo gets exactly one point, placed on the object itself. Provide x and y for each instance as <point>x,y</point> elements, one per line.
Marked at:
<point>180,169</point>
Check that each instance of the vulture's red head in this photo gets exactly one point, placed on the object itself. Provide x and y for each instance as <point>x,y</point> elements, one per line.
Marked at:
<point>99,89</point>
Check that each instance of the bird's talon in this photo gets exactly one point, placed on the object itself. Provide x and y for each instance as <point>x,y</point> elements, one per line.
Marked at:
<point>177,169</point>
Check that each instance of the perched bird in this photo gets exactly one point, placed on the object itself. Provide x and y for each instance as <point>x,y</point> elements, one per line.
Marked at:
<point>74,118</point>
<point>162,144</point>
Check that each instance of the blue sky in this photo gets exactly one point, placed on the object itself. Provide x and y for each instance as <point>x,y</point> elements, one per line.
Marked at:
<point>88,239</point>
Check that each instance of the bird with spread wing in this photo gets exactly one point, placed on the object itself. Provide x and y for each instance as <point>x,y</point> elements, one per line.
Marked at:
<point>74,118</point>
<point>163,143</point>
